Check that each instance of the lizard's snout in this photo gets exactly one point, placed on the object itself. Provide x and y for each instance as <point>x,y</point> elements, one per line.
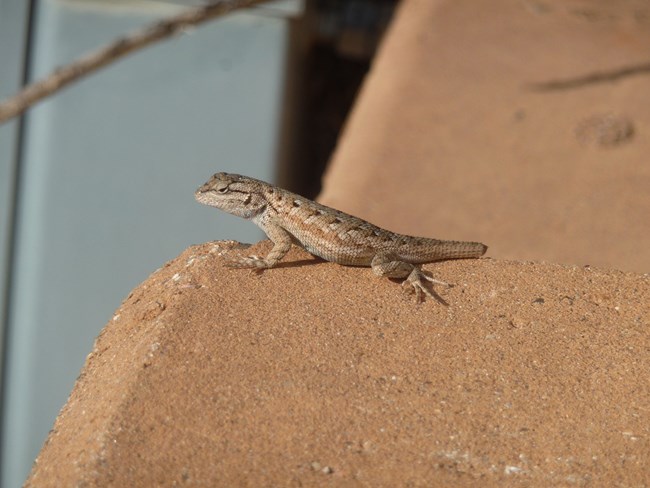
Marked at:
<point>203,188</point>
<point>201,194</point>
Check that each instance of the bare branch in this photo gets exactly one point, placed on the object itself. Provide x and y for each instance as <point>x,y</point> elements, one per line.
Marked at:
<point>64,75</point>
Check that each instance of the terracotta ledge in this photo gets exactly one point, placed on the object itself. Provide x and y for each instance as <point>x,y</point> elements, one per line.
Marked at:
<point>314,373</point>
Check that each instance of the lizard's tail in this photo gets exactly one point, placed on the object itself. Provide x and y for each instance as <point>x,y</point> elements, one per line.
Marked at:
<point>461,249</point>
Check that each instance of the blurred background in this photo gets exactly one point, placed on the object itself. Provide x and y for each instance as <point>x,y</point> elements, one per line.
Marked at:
<point>97,182</point>
<point>519,123</point>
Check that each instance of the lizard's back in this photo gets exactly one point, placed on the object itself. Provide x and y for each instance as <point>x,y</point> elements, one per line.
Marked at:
<point>345,239</point>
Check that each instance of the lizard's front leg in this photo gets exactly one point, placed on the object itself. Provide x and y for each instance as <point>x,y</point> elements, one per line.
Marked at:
<point>281,244</point>
<point>391,266</point>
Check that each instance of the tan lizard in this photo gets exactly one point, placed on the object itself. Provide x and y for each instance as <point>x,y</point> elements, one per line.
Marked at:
<point>288,218</point>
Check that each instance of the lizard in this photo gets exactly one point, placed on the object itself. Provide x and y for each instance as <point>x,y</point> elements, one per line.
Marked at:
<point>288,218</point>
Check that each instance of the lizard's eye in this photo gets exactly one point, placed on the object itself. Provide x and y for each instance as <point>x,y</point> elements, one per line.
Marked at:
<point>223,190</point>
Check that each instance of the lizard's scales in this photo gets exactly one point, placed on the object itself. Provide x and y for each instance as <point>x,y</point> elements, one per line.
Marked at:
<point>288,218</point>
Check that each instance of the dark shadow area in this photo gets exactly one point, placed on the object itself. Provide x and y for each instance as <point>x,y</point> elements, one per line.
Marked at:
<point>333,51</point>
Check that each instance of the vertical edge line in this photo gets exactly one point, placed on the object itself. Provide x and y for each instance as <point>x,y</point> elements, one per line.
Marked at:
<point>10,255</point>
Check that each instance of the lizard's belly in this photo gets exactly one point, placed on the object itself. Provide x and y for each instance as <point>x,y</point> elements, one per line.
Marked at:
<point>348,256</point>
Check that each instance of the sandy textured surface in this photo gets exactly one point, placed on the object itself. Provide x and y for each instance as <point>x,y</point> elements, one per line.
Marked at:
<point>316,374</point>
<point>523,124</point>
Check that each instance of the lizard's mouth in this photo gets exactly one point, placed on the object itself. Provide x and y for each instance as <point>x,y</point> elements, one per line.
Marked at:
<point>202,195</point>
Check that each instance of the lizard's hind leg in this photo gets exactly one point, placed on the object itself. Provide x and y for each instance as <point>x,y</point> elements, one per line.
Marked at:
<point>391,266</point>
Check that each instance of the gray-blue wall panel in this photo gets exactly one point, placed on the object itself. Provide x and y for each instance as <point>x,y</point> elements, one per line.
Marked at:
<point>110,166</point>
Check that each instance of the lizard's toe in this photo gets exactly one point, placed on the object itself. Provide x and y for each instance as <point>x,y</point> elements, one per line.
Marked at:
<point>409,287</point>
<point>415,280</point>
<point>419,288</point>
<point>254,262</point>
<point>433,280</point>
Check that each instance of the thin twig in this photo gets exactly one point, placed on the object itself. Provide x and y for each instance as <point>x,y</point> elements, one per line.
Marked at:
<point>64,75</point>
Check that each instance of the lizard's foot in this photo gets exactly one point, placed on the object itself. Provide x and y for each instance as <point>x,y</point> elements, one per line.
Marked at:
<point>414,279</point>
<point>252,262</point>
<point>391,266</point>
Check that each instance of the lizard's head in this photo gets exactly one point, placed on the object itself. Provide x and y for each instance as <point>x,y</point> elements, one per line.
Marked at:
<point>232,193</point>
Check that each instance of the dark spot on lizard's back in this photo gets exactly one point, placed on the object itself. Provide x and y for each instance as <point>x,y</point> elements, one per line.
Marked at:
<point>338,220</point>
<point>296,203</point>
<point>359,231</point>
<point>376,232</point>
